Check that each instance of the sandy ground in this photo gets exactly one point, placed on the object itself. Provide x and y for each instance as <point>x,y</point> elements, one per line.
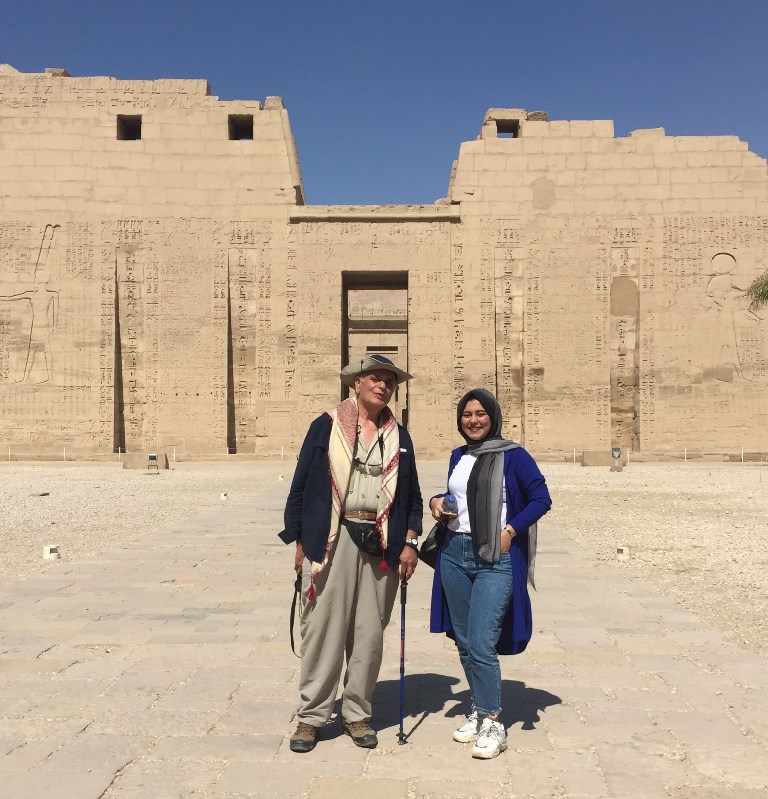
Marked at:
<point>699,532</point>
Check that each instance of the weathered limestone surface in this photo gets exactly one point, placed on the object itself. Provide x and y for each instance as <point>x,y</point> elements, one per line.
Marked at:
<point>172,289</point>
<point>162,668</point>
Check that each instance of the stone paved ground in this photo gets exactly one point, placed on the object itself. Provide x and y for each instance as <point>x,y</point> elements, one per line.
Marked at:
<point>161,670</point>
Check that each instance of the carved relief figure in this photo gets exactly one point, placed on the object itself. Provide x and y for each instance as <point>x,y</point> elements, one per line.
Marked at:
<point>43,311</point>
<point>726,291</point>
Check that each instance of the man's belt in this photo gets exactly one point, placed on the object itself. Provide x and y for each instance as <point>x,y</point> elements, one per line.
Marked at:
<point>362,515</point>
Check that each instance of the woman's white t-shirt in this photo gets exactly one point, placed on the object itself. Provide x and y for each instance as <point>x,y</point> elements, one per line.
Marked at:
<point>457,485</point>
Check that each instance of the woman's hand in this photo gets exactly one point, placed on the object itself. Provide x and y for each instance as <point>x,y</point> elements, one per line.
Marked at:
<point>436,506</point>
<point>507,534</point>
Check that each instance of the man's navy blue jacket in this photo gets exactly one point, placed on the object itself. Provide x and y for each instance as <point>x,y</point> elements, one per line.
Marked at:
<point>308,508</point>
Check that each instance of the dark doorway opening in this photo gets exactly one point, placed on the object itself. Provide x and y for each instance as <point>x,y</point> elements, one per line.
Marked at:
<point>375,321</point>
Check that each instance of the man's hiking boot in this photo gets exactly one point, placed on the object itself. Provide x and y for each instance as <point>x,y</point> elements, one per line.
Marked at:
<point>304,739</point>
<point>361,733</point>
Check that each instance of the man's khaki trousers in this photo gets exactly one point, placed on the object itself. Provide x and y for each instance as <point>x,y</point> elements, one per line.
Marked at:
<point>353,604</point>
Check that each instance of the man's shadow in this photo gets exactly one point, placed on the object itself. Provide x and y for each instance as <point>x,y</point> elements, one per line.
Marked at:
<point>429,693</point>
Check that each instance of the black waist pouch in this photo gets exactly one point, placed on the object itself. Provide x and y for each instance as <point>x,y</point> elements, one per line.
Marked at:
<point>365,536</point>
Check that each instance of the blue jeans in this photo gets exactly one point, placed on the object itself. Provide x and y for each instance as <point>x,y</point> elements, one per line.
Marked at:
<point>478,594</point>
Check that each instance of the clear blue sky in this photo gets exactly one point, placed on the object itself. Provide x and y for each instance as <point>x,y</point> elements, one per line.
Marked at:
<point>380,94</point>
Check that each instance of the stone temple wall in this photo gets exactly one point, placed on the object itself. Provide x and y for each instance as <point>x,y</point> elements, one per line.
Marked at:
<point>164,286</point>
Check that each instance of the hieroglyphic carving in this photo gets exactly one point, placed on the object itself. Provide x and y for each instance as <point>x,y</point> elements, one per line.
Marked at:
<point>505,241</point>
<point>250,279</point>
<point>35,352</point>
<point>220,311</point>
<point>130,280</point>
<point>291,302</point>
<point>566,363</point>
<point>108,282</point>
<point>5,330</point>
<point>242,289</point>
<point>264,338</point>
<point>703,353</point>
<point>458,307</point>
<point>628,237</point>
<point>35,92</point>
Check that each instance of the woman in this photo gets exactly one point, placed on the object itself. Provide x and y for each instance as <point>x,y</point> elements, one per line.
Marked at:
<point>480,595</point>
<point>354,511</point>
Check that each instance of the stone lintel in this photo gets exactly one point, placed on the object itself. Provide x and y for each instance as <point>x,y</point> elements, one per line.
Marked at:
<point>375,213</point>
<point>647,133</point>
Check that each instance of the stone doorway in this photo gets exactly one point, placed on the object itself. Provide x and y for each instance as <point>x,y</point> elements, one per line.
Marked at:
<point>375,321</point>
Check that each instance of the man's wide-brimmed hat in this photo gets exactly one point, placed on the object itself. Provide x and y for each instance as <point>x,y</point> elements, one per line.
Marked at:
<point>371,363</point>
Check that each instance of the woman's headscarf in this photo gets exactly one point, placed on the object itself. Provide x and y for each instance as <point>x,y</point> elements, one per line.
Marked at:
<point>486,480</point>
<point>490,406</point>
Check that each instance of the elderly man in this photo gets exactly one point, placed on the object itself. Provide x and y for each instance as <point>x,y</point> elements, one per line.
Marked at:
<point>354,511</point>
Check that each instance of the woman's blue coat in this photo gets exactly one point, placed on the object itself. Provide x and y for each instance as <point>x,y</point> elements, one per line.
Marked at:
<point>527,501</point>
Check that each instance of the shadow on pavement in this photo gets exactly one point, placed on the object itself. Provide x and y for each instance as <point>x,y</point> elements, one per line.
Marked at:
<point>430,693</point>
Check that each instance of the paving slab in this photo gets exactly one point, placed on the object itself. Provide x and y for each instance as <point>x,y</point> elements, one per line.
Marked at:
<point>162,668</point>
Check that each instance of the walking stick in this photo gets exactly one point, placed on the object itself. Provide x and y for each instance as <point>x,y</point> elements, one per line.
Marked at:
<point>401,737</point>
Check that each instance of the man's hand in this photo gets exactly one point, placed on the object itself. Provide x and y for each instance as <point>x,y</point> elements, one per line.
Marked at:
<point>408,560</point>
<point>298,561</point>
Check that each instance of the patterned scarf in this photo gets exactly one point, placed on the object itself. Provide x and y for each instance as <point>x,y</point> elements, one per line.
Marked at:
<point>341,449</point>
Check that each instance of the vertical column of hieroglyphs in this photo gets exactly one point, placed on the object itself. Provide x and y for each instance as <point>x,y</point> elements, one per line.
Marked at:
<point>265,341</point>
<point>627,238</point>
<point>458,307</point>
<point>505,243</point>
<point>130,237</point>
<point>250,280</point>
<point>290,329</point>
<point>241,284</point>
<point>219,344</point>
<point>290,350</point>
<point>645,424</point>
<point>107,418</point>
<point>565,360</point>
<point>704,375</point>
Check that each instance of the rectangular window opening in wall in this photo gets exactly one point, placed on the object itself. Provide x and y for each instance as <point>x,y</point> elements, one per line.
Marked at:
<point>241,127</point>
<point>129,127</point>
<point>507,128</point>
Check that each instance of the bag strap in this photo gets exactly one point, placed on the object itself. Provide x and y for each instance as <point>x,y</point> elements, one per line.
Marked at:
<point>296,593</point>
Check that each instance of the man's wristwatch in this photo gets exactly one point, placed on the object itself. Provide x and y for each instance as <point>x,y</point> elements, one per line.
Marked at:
<point>412,542</point>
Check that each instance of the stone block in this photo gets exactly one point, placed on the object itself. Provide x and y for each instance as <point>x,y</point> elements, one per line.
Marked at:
<point>372,788</point>
<point>601,458</point>
<point>534,128</point>
<point>647,133</point>
<point>140,460</point>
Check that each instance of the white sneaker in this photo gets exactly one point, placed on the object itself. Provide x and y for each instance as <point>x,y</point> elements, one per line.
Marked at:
<point>469,730</point>
<point>491,741</point>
